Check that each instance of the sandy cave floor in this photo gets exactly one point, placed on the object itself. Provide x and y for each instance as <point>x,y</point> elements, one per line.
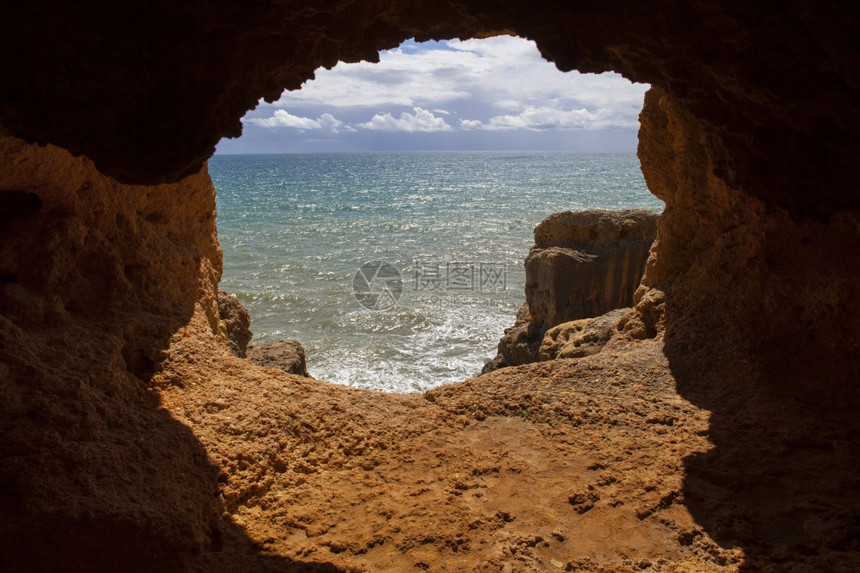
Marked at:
<point>596,464</point>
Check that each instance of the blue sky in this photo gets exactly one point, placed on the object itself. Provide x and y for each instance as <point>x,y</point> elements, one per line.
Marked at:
<point>493,94</point>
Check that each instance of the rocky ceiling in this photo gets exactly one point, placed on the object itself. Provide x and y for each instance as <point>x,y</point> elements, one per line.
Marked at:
<point>146,89</point>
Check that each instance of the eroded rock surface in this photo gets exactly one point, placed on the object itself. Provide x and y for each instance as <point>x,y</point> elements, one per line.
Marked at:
<point>167,452</point>
<point>287,355</point>
<point>99,283</point>
<point>774,289</point>
<point>519,344</point>
<point>237,321</point>
<point>579,338</point>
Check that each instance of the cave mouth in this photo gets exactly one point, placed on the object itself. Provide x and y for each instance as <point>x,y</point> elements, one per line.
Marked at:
<point>380,215</point>
<point>748,138</point>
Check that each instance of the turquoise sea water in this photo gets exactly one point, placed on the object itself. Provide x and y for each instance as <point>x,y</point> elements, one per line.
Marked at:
<point>452,228</point>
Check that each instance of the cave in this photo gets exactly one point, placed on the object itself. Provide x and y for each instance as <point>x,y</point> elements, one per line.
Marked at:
<point>717,430</point>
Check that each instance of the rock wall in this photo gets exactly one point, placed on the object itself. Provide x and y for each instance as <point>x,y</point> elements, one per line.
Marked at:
<point>97,280</point>
<point>582,265</point>
<point>779,294</point>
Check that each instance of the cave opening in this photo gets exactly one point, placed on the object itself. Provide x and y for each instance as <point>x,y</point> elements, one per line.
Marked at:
<point>719,434</point>
<point>381,214</point>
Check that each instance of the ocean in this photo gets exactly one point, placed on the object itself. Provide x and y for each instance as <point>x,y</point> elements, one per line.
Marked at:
<point>398,271</point>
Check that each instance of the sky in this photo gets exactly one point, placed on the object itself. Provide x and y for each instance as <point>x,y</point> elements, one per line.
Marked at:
<point>492,94</point>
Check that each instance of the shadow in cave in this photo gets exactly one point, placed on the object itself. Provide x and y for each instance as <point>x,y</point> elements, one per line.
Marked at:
<point>95,280</point>
<point>781,481</point>
<point>128,532</point>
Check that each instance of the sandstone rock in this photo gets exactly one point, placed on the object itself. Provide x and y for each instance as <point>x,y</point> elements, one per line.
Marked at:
<point>100,283</point>
<point>772,289</point>
<point>587,263</point>
<point>580,338</point>
<point>582,265</point>
<point>288,355</point>
<point>519,344</point>
<point>237,321</point>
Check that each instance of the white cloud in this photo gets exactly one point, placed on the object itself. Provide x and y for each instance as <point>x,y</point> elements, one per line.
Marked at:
<point>499,84</point>
<point>471,124</point>
<point>282,118</point>
<point>329,121</point>
<point>537,119</point>
<point>504,71</point>
<point>421,120</point>
<point>508,104</point>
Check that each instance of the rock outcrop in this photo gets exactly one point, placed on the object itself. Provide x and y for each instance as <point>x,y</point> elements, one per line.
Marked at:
<point>519,344</point>
<point>237,321</point>
<point>582,265</point>
<point>586,264</point>
<point>717,431</point>
<point>775,287</point>
<point>287,355</point>
<point>579,338</point>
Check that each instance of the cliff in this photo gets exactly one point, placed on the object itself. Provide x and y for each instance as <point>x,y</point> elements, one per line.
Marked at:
<point>716,431</point>
<point>582,265</point>
<point>585,264</point>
